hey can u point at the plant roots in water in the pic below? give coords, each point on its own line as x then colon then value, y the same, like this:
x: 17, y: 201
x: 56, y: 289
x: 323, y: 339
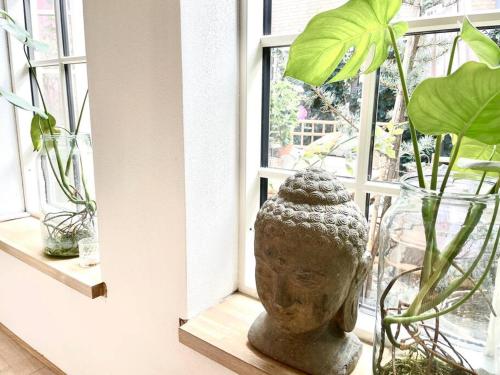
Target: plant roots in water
x: 65, y: 229
x: 418, y: 366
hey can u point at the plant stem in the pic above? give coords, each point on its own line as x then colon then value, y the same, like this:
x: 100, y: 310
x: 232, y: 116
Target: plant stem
x: 406, y: 97
x: 453, y: 159
x: 435, y: 162
x: 68, y: 162
x: 439, y: 138
x: 444, y: 261
x: 430, y: 213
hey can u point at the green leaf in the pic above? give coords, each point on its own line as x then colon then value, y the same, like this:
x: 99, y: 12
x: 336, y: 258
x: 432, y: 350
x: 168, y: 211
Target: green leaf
x: 485, y: 48
x: 20, y: 102
x: 471, y: 149
x: 479, y: 165
x: 10, y: 25
x: 358, y: 25
x: 466, y: 103
x: 39, y: 126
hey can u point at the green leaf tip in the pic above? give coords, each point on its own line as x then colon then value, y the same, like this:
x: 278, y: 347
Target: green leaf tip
x: 359, y: 28
x: 19, y: 102
x: 486, y: 49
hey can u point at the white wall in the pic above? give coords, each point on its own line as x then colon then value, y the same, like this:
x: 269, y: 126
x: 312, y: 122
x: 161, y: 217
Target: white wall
x: 134, y: 56
x: 210, y: 95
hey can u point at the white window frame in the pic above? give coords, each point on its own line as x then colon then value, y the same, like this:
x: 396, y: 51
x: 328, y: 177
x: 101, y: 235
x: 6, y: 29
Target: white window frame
x: 21, y: 85
x: 252, y: 43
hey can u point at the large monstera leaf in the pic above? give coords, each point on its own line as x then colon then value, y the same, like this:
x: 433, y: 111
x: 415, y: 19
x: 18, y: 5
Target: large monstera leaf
x: 466, y: 103
x: 359, y: 28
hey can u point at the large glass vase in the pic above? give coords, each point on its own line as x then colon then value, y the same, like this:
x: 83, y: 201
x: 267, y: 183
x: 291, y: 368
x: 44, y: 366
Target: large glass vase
x: 438, y: 291
x: 67, y: 195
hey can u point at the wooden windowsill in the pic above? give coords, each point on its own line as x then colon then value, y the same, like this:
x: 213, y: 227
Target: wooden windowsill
x: 220, y: 334
x: 21, y: 238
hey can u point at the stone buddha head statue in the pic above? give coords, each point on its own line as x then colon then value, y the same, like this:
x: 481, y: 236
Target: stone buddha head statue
x: 311, y: 262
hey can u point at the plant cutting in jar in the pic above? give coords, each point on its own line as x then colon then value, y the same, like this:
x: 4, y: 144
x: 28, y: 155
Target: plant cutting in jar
x: 336, y: 45
x: 61, y: 160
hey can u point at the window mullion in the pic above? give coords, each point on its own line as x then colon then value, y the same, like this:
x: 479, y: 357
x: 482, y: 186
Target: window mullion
x: 367, y: 110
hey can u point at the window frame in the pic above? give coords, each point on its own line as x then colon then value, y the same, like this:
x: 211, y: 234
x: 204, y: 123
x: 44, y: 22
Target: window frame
x: 22, y: 85
x: 254, y: 43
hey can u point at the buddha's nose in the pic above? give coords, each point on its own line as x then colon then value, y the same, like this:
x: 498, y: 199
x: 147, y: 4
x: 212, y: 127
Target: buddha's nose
x: 282, y: 297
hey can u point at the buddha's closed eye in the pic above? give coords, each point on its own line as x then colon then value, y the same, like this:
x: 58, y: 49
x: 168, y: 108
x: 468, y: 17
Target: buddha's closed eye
x: 308, y: 278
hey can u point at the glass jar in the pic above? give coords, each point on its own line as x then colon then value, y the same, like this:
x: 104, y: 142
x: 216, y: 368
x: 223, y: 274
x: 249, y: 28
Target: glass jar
x: 66, y: 186
x: 438, y: 293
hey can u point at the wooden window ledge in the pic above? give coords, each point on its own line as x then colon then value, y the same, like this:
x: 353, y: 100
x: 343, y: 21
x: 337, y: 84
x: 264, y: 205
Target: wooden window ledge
x: 220, y: 334
x: 21, y: 238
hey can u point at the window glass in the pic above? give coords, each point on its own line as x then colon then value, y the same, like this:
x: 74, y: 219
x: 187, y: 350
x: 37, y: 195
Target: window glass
x: 292, y: 16
x: 43, y: 26
x: 310, y: 126
x: 50, y: 85
x: 426, y: 8
x: 427, y: 56
x: 78, y: 74
x: 377, y: 205
x: 74, y: 24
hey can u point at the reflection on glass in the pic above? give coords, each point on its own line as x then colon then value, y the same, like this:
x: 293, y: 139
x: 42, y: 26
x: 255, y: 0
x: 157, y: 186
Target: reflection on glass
x: 377, y: 207
x: 292, y: 16
x: 50, y: 83
x: 426, y: 56
x: 74, y: 23
x: 78, y: 89
x: 43, y: 24
x: 310, y: 126
x: 426, y: 8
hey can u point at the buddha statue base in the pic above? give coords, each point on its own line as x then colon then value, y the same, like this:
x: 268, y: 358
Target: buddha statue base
x: 326, y: 351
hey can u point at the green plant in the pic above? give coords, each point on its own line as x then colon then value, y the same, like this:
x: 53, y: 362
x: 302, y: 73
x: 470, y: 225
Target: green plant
x: 283, y: 112
x: 64, y: 226
x: 465, y: 104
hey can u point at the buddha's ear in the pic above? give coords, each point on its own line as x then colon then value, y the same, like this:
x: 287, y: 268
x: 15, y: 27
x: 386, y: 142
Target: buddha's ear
x: 348, y: 313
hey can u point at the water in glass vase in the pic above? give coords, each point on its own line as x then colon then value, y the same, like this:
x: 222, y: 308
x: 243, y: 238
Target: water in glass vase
x: 438, y: 294
x: 66, y: 188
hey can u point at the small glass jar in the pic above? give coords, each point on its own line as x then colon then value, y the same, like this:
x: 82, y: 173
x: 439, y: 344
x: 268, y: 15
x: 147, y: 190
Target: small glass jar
x: 431, y: 317
x: 89, y: 252
x: 66, y: 186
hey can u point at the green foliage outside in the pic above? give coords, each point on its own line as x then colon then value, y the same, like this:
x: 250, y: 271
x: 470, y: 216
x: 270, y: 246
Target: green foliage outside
x: 285, y: 102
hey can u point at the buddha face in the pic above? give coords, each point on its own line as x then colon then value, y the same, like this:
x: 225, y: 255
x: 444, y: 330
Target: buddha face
x: 302, y: 281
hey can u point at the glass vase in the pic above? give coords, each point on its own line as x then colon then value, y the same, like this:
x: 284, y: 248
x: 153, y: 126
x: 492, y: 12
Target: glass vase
x: 438, y: 293
x: 66, y: 186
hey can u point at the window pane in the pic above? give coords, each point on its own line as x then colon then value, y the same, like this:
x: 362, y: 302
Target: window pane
x: 292, y: 16
x: 43, y: 23
x: 78, y: 89
x: 50, y: 82
x: 425, y: 8
x: 427, y: 56
x: 310, y: 126
x: 74, y: 26
x: 377, y: 207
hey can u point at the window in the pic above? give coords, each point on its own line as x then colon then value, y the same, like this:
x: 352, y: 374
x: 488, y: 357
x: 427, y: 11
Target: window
x: 357, y: 128
x: 61, y: 72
